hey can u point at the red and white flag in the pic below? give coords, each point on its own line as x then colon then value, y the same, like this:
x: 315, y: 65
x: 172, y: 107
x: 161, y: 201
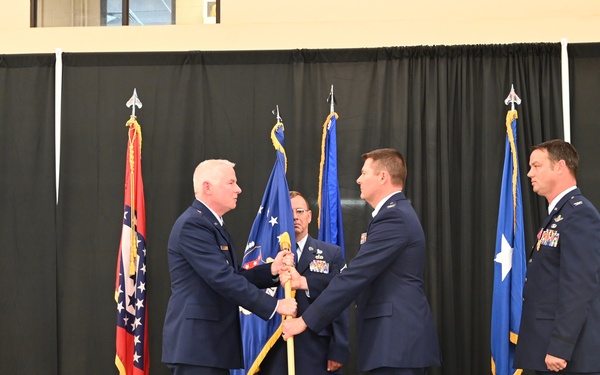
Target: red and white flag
x: 132, y: 350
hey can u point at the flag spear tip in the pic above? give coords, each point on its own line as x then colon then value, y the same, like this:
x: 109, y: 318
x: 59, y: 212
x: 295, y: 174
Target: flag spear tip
x: 133, y: 102
x: 512, y: 98
x: 275, y: 112
x: 331, y: 100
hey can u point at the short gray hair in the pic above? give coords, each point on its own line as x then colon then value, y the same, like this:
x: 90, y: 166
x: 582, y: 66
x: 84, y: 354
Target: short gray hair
x: 206, y: 171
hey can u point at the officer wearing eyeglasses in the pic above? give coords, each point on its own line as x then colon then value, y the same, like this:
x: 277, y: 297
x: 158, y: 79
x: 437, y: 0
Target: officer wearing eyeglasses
x: 317, y: 263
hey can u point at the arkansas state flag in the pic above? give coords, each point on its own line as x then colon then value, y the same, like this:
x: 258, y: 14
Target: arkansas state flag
x: 272, y: 230
x: 130, y: 290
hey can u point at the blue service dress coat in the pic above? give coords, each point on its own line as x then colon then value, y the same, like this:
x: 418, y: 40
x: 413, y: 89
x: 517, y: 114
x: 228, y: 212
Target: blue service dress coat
x: 394, y: 321
x: 561, y: 296
x: 202, y: 326
x: 319, y: 263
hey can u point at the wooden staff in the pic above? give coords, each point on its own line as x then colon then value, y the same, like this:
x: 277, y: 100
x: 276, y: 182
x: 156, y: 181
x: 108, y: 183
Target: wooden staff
x: 285, y: 245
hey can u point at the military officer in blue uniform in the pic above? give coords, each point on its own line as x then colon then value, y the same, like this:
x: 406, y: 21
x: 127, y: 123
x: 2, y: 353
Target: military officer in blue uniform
x: 201, y: 333
x: 560, y: 321
x: 396, y: 331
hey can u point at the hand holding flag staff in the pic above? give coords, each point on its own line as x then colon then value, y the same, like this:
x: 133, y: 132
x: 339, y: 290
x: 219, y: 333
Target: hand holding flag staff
x: 270, y: 233
x: 132, y: 349
x: 509, y: 267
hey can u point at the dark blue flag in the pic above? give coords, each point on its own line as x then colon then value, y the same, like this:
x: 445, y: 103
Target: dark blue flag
x: 509, y: 266
x: 331, y: 227
x: 272, y: 231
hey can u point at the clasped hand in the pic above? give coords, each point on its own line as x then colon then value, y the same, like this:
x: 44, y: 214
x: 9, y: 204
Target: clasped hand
x: 280, y: 265
x: 288, y: 272
x: 282, y: 261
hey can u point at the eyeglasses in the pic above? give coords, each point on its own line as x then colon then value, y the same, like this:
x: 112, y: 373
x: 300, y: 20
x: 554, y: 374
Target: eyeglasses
x: 300, y: 211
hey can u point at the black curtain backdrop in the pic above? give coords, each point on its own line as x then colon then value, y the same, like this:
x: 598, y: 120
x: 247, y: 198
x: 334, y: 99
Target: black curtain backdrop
x: 28, y: 292
x: 584, y: 74
x: 442, y: 107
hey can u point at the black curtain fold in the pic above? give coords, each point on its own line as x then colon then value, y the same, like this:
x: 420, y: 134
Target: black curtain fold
x: 28, y: 306
x: 584, y: 93
x: 441, y: 106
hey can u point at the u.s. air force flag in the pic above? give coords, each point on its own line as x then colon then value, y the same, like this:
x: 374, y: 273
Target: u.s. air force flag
x: 509, y: 266
x: 331, y: 227
x: 273, y: 226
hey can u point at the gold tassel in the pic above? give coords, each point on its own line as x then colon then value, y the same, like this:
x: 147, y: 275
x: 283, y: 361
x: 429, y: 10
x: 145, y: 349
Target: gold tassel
x: 132, y: 123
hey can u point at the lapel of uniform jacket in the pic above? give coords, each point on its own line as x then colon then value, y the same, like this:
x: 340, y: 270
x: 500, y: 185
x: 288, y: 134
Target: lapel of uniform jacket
x: 308, y: 255
x: 389, y: 203
x: 220, y: 228
x: 559, y: 206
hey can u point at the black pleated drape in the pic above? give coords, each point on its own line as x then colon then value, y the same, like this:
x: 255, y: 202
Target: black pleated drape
x: 441, y: 106
x: 28, y: 305
x: 584, y: 78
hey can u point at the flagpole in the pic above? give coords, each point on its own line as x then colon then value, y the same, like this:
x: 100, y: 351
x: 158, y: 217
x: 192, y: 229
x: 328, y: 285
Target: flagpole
x: 566, y: 107
x: 285, y: 244
x: 331, y: 100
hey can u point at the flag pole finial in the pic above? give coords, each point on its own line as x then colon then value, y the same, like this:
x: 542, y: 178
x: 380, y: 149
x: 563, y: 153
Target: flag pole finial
x: 331, y: 101
x: 275, y: 112
x: 512, y: 98
x: 133, y: 102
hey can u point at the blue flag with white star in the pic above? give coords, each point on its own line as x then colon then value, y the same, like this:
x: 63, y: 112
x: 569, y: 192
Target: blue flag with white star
x: 509, y: 260
x: 271, y: 232
x: 331, y: 227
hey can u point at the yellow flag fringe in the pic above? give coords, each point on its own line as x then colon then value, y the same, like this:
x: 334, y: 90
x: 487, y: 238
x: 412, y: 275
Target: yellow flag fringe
x: 322, y: 163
